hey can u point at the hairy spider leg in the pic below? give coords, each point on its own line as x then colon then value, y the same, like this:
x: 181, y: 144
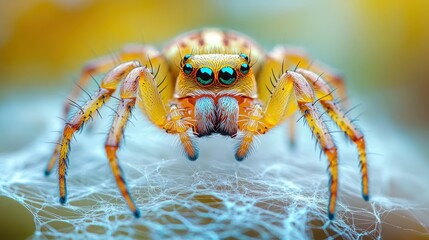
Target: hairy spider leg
x: 290, y: 93
x: 107, y: 88
x: 323, y: 137
x: 174, y: 120
x: 72, y: 98
x: 128, y: 95
x: 179, y: 123
x: 139, y: 79
x: 146, y: 55
x: 324, y: 95
x: 283, y: 58
x: 153, y: 95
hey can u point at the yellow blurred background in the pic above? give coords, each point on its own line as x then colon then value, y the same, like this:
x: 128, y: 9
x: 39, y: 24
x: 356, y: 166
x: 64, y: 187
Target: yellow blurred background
x: 382, y: 47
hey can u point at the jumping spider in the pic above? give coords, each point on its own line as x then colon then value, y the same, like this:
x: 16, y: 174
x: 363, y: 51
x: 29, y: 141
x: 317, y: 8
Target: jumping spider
x: 213, y: 81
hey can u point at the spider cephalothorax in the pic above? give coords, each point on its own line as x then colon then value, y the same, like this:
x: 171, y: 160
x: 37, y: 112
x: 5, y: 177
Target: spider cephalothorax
x: 215, y: 84
x: 213, y: 81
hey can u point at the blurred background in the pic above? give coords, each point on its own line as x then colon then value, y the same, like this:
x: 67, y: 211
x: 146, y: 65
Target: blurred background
x: 382, y: 47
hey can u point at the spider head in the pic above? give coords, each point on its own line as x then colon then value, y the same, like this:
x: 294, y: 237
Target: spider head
x: 216, y: 73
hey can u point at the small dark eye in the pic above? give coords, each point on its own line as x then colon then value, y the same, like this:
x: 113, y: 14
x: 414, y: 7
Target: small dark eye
x: 187, y: 68
x: 227, y: 75
x: 205, y: 76
x: 244, y: 68
x: 244, y: 56
x: 186, y: 57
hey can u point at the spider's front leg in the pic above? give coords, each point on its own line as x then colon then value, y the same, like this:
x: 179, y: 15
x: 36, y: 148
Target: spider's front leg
x: 128, y: 96
x: 145, y: 55
x: 282, y: 58
x: 290, y: 93
x: 107, y: 88
x: 303, y: 89
x: 140, y: 86
x: 324, y: 95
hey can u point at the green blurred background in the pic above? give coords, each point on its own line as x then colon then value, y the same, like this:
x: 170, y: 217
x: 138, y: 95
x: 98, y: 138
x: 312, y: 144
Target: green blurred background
x: 382, y: 47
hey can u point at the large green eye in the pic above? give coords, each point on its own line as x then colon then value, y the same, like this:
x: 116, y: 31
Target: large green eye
x: 227, y: 75
x: 187, y: 68
x: 244, y: 68
x: 205, y: 75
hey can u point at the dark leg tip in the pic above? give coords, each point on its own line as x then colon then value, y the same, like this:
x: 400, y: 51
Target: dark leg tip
x: 239, y: 158
x: 47, y: 173
x: 63, y: 200
x: 365, y: 197
x: 331, y: 216
x: 136, y: 213
x: 193, y: 158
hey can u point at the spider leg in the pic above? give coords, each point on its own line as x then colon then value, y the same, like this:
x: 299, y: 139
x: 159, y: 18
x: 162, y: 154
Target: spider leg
x: 139, y: 86
x: 250, y: 123
x: 321, y: 133
x: 175, y: 120
x: 146, y: 55
x: 292, y: 92
x: 128, y: 94
x: 181, y: 118
x: 53, y: 159
x: 94, y: 67
x: 151, y: 102
x: 343, y: 122
x: 108, y: 87
x: 283, y: 58
x: 141, y: 80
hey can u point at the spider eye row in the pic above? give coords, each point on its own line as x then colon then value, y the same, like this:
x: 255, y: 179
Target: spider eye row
x: 205, y: 75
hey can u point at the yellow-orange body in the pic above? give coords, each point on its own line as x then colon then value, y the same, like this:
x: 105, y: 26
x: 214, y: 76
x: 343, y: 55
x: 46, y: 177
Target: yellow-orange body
x: 213, y: 81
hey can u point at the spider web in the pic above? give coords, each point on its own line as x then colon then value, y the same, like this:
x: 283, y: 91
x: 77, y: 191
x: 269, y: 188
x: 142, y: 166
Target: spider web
x: 276, y: 193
